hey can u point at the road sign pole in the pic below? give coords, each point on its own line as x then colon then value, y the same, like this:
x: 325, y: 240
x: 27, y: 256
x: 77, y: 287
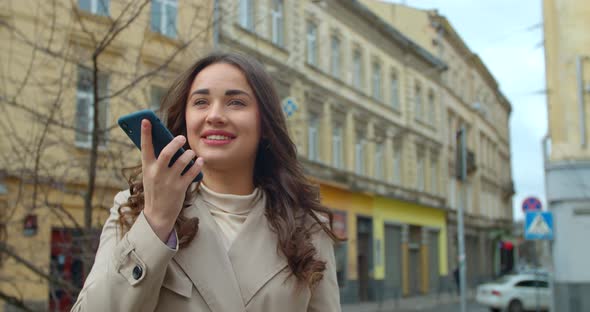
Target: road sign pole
x: 460, y: 235
x: 536, y: 275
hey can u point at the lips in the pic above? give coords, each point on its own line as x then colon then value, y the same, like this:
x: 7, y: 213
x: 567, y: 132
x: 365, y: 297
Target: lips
x: 217, y: 137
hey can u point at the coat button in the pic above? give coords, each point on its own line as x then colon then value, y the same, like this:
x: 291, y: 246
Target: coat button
x: 137, y: 272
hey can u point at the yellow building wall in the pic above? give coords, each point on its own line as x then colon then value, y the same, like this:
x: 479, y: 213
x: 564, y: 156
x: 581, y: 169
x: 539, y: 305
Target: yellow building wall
x: 37, y: 248
x: 385, y: 209
x: 566, y: 37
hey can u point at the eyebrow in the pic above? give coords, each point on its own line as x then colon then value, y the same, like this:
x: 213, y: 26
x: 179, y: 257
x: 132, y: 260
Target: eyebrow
x: 227, y: 92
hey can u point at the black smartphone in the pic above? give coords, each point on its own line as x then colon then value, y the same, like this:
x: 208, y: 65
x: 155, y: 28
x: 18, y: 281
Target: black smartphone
x: 161, y: 136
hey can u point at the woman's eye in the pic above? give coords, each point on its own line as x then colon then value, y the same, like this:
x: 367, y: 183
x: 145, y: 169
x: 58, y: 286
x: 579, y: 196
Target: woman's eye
x: 235, y: 102
x: 200, y: 102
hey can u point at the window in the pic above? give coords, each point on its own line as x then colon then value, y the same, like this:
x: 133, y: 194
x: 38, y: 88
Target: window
x: 420, y: 171
x: 313, y: 138
x: 312, y: 44
x: 69, y: 261
x: 433, y: 176
x: 164, y: 17
x: 359, y: 157
x: 418, y: 101
x: 277, y: 22
x: 397, y: 160
x: 451, y: 133
x: 337, y: 160
x: 532, y: 283
x: 394, y: 86
x: 85, y: 108
x: 431, y: 108
x: 247, y: 14
x: 98, y: 7
x: 379, y: 161
x: 357, y: 70
x: 376, y: 81
x: 335, y: 57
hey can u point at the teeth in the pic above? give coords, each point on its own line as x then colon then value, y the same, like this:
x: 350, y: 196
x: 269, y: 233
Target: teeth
x: 217, y: 137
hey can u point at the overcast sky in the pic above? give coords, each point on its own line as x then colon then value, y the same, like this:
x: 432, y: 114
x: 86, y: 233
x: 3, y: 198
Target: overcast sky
x: 508, y: 35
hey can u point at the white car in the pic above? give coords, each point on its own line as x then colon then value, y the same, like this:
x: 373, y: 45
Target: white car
x: 515, y: 293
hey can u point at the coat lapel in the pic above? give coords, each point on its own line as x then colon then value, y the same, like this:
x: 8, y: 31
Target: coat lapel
x: 206, y: 263
x: 254, y: 255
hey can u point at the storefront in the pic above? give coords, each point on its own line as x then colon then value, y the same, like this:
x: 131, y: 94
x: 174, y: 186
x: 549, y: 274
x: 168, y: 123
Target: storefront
x: 355, y: 257
x: 410, y: 247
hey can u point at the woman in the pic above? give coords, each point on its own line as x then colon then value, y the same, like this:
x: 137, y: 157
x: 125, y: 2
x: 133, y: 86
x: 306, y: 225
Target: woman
x: 249, y: 237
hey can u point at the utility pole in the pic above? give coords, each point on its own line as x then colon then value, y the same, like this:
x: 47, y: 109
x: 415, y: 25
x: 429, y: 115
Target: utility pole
x: 462, y: 175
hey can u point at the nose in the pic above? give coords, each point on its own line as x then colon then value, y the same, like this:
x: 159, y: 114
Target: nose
x: 216, y: 115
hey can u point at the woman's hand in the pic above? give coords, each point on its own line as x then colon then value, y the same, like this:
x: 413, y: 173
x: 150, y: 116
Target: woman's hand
x: 164, y: 188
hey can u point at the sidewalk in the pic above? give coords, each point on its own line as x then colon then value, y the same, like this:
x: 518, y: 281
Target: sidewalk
x: 417, y: 303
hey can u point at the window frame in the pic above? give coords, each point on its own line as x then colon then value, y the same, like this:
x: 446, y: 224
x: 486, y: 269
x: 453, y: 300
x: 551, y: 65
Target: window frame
x: 357, y: 69
x: 376, y: 82
x: 418, y: 109
x: 94, y: 5
x: 88, y: 95
x: 397, y: 164
x: 312, y: 39
x: 420, y: 171
x: 337, y: 147
x: 394, y: 90
x: 313, y: 140
x: 335, y: 56
x: 278, y: 22
x: 379, y: 148
x: 164, y: 24
x: 432, y: 107
x: 434, y: 175
x: 246, y: 14
x: 359, y: 157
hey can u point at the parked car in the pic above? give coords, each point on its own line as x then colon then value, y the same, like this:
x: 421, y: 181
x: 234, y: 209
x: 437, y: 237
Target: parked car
x: 515, y: 293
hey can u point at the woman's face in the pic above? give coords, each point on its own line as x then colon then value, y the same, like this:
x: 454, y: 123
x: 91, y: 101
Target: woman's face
x: 222, y: 118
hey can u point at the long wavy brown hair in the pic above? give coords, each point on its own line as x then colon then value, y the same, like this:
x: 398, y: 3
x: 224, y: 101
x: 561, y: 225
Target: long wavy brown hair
x: 292, y: 201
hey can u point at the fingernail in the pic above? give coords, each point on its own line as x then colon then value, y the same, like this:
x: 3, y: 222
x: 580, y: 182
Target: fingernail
x: 182, y: 138
x: 200, y: 161
x: 144, y: 123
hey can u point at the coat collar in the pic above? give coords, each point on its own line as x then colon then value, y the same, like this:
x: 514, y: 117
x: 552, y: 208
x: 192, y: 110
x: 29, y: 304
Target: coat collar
x: 227, y: 280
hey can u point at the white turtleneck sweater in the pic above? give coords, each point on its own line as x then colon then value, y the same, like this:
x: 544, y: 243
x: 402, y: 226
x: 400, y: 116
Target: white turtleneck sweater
x: 229, y: 211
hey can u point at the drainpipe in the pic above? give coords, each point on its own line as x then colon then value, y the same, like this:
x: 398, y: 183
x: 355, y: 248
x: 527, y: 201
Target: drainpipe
x: 581, y: 106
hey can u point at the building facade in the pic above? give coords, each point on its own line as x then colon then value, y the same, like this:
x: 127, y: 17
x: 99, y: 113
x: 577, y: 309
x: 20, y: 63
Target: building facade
x: 371, y: 106
x: 470, y: 97
x: 48, y: 55
x: 567, y: 167
x: 363, y: 107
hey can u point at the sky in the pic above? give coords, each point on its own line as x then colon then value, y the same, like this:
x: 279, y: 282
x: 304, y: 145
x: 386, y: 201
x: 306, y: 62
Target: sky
x: 508, y: 37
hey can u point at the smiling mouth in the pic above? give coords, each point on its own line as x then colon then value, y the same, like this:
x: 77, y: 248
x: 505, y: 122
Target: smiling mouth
x: 218, y: 137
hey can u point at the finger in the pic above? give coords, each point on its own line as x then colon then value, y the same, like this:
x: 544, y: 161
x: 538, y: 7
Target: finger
x: 147, y: 147
x: 183, y: 161
x: 193, y: 172
x: 171, y: 149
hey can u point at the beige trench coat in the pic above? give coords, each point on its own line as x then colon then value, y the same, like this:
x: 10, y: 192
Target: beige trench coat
x: 141, y: 273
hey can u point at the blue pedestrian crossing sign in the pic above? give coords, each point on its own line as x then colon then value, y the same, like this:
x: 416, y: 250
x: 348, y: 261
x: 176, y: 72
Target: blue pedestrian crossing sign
x: 538, y: 225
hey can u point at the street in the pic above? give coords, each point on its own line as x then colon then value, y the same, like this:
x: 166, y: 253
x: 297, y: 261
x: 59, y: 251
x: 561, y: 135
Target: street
x: 471, y: 307
x: 424, y: 304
